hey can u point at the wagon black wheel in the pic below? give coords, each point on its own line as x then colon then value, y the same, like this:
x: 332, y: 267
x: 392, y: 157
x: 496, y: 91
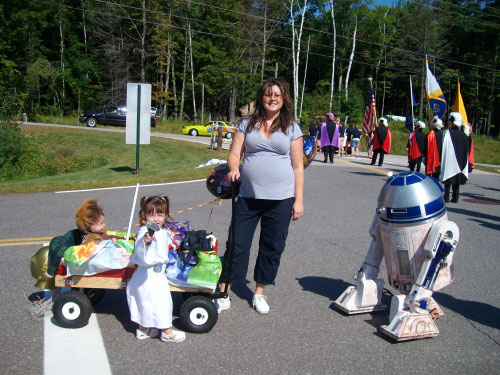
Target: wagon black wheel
x: 72, y: 309
x: 94, y: 295
x: 198, y: 314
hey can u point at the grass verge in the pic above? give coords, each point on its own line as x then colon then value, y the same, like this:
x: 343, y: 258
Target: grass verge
x: 164, y: 160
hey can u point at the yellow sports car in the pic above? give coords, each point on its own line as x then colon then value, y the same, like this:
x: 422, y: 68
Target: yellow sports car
x: 209, y: 128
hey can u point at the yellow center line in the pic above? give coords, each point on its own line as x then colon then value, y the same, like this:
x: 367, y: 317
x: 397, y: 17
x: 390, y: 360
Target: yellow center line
x: 21, y: 243
x: 25, y: 239
x: 379, y: 171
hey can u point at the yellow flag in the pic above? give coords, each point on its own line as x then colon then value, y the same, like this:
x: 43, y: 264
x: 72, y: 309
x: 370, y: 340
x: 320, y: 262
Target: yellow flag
x: 459, y: 106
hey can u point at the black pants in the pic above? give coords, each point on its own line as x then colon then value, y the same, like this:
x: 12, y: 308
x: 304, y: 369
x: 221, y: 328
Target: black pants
x: 374, y: 158
x: 454, y: 196
x: 416, y: 163
x: 274, y: 217
x: 328, y: 151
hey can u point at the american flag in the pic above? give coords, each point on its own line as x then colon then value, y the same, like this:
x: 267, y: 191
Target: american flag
x: 370, y: 120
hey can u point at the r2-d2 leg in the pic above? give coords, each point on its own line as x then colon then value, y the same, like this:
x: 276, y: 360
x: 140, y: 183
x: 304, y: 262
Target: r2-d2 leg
x: 413, y: 317
x: 366, y: 296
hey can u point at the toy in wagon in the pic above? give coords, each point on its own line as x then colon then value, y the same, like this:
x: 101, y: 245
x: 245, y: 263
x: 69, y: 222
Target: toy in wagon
x: 91, y: 262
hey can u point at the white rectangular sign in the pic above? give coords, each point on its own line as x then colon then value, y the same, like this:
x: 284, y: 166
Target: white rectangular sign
x: 144, y: 110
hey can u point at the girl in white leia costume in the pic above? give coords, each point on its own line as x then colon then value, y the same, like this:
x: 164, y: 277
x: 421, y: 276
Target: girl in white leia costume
x: 148, y: 293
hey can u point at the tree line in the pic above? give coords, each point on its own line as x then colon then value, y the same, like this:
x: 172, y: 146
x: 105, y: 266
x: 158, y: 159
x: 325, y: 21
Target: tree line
x: 206, y: 58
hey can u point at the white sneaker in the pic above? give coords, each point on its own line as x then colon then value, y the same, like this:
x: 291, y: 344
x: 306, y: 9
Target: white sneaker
x: 223, y: 304
x: 260, y: 305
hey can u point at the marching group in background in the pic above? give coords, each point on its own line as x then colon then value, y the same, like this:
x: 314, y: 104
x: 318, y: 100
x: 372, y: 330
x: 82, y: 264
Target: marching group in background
x: 333, y: 136
x: 447, y: 156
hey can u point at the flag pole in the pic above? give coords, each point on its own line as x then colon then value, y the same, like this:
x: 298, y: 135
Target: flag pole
x: 374, y: 107
x: 427, y: 89
x: 411, y: 104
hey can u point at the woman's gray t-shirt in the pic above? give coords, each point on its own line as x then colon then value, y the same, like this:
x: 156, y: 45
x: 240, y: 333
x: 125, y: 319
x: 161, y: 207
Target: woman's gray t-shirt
x: 267, y: 168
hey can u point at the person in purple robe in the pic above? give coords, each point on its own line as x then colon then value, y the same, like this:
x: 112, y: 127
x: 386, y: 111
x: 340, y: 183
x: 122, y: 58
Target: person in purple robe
x: 329, y: 137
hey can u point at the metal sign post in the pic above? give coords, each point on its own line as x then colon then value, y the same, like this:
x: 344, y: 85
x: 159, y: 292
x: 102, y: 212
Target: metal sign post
x: 138, y: 117
x: 138, y: 132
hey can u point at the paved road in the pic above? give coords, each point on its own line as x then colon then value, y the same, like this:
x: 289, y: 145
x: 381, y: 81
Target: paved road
x: 303, y: 334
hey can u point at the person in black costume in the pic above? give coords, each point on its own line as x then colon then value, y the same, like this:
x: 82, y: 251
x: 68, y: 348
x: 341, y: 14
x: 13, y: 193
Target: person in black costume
x: 416, y: 147
x: 454, y: 158
x: 381, y: 141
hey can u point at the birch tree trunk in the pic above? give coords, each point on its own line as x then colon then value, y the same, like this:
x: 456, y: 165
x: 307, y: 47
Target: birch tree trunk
x: 143, y: 41
x: 164, y: 113
x: 350, y: 60
x: 202, y: 102
x: 85, y: 37
x: 167, y: 82
x: 61, y: 104
x: 232, y: 102
x: 296, y: 38
x: 192, y: 70
x: 332, y: 85
x: 305, y: 74
x: 181, y: 111
x: 175, y: 89
x: 384, y: 53
x: 424, y: 71
x: 492, y: 96
x: 263, y: 59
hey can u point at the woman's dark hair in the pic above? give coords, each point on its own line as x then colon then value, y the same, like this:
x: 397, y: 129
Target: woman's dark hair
x: 284, y: 119
x: 150, y: 205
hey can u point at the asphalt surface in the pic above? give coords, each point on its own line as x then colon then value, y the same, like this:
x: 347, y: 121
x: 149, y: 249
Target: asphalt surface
x: 303, y: 333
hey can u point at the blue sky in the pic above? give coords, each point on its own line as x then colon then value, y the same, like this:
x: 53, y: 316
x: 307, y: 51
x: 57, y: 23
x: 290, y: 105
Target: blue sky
x: 385, y: 2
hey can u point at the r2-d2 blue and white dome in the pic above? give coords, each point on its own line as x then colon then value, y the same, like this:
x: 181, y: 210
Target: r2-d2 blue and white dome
x: 410, y: 198
x: 411, y: 230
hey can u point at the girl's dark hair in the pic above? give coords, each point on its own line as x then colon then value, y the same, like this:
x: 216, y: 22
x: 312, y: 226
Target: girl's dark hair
x: 284, y: 119
x: 150, y: 205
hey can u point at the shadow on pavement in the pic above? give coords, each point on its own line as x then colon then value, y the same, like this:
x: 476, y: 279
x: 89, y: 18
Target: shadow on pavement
x: 486, y: 224
x: 115, y: 303
x: 370, y: 174
x: 488, y: 188
x: 243, y: 291
x: 479, y: 312
x: 470, y: 213
x: 481, y: 199
x: 326, y: 287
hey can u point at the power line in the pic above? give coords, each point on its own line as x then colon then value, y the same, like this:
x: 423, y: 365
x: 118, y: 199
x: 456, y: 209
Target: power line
x: 404, y: 71
x: 420, y: 2
x: 422, y: 55
x: 469, y: 9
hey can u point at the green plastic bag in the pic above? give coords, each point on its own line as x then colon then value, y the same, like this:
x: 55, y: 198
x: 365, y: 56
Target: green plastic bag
x: 206, y: 273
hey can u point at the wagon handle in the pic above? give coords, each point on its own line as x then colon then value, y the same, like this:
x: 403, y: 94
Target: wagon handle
x: 231, y: 253
x: 132, y: 212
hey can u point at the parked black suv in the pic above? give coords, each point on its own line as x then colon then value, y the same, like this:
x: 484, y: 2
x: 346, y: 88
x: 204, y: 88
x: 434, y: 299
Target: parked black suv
x: 112, y: 115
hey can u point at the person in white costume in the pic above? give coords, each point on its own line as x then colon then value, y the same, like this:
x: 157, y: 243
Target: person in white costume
x: 148, y: 293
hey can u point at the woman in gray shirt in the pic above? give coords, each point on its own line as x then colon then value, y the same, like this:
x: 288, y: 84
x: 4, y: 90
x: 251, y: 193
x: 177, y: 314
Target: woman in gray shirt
x: 272, y: 185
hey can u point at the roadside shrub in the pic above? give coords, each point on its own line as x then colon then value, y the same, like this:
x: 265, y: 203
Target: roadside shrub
x: 13, y: 144
x: 22, y: 157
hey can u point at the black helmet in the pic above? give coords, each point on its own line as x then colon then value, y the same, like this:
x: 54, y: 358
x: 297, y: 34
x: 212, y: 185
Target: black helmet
x: 219, y: 184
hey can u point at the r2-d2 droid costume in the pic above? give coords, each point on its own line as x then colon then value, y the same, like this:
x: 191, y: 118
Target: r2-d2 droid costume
x: 411, y: 231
